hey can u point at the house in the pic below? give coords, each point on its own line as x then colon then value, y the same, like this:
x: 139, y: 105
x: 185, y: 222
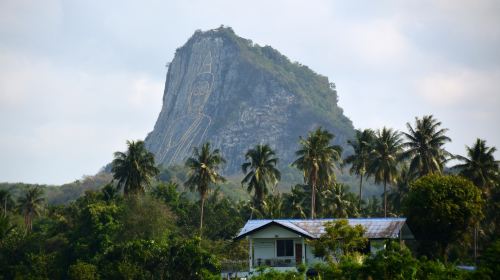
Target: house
x: 281, y: 243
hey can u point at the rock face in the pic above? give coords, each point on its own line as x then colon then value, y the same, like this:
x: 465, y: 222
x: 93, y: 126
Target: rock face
x: 224, y: 89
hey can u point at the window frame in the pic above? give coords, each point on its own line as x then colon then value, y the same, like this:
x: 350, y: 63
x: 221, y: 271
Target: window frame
x: 284, y: 248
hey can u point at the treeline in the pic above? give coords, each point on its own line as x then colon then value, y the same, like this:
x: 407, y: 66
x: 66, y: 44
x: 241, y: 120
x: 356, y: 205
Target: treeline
x: 138, y: 227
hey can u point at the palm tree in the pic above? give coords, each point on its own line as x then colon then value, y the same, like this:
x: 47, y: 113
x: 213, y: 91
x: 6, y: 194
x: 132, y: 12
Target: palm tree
x: 362, y: 146
x: 316, y: 159
x: 5, y: 200
x: 134, y: 169
x: 397, y: 196
x: 295, y: 202
x: 203, y: 167
x: 338, y: 201
x: 272, y: 206
x: 30, y: 205
x: 384, y: 159
x: 480, y: 165
x: 261, y: 171
x: 109, y: 192
x: 425, y: 146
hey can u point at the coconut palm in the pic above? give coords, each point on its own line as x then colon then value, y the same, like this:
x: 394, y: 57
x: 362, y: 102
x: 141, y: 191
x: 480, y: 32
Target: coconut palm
x: 5, y: 200
x: 424, y: 147
x: 272, y: 206
x: 296, y: 201
x: 397, y: 195
x: 261, y: 172
x: 30, y: 204
x: 362, y: 145
x: 338, y: 201
x: 384, y: 159
x: 203, y: 173
x: 316, y: 159
x: 134, y: 169
x: 479, y: 165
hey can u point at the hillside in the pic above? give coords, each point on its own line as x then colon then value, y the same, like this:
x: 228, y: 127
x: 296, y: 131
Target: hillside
x: 233, y: 93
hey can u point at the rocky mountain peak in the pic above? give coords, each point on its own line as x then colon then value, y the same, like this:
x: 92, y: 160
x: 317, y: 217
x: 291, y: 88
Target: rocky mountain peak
x: 225, y: 89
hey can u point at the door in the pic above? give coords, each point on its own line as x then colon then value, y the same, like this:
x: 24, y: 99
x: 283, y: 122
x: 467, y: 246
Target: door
x: 298, y: 253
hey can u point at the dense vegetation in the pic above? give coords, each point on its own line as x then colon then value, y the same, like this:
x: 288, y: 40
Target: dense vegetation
x: 155, y: 223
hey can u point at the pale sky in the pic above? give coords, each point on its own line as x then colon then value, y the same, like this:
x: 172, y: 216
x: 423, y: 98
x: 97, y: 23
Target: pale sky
x: 79, y: 78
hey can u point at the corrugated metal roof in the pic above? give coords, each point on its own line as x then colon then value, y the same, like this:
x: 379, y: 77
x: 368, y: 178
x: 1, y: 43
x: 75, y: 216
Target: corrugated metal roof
x: 376, y: 228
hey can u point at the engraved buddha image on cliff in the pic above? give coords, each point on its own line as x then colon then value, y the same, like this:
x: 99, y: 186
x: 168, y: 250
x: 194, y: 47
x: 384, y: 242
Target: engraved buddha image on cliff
x: 181, y: 140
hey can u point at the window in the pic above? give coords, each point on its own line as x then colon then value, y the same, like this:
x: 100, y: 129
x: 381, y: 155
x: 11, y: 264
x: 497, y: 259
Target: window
x: 284, y: 248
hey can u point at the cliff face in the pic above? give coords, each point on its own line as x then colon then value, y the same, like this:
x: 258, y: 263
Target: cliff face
x: 224, y: 89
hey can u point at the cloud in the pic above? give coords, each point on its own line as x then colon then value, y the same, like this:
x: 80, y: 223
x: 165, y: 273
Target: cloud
x: 52, y: 115
x: 79, y: 78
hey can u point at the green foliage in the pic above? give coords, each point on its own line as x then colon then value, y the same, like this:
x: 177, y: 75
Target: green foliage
x: 394, y: 262
x: 425, y: 146
x: 135, y: 168
x: 384, y: 159
x: 440, y: 209
x: 30, y: 204
x: 190, y: 261
x: 203, y: 173
x: 275, y: 275
x: 145, y: 218
x: 260, y: 172
x: 316, y: 158
x: 489, y: 265
x: 83, y: 271
x: 480, y: 165
x: 362, y: 146
x: 339, y: 239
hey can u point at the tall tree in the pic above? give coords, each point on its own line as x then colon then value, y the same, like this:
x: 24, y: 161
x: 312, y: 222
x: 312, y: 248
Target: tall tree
x: 5, y: 200
x: 424, y: 146
x: 203, y: 172
x: 134, y: 169
x: 316, y: 159
x: 479, y: 165
x: 384, y: 159
x: 362, y: 145
x: 261, y: 172
x: 30, y: 204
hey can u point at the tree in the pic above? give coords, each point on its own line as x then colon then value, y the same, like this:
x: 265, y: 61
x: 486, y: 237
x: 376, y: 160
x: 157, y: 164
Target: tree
x: 338, y: 201
x: 362, y: 146
x: 339, y: 238
x: 260, y: 169
x: 316, y: 159
x: 30, y: 204
x: 480, y: 165
x: 425, y: 146
x: 384, y: 159
x: 397, y: 195
x: 203, y: 172
x: 5, y: 201
x: 134, y: 169
x: 440, y: 210
x: 295, y: 202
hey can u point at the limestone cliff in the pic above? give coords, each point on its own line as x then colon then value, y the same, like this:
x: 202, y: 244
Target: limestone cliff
x: 225, y: 89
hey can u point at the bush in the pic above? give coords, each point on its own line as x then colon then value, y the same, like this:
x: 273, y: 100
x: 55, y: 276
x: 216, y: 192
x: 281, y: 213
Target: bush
x: 395, y: 262
x: 83, y: 271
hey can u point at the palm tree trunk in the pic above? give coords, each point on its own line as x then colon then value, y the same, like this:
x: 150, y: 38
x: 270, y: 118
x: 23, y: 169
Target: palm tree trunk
x: 385, y: 198
x: 313, y: 199
x: 201, y: 214
x: 360, y: 186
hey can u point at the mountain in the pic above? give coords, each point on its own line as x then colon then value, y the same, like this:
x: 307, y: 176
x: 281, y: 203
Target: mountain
x: 227, y: 90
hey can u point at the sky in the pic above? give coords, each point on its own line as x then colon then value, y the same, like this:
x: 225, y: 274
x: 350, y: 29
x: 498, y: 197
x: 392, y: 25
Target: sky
x: 79, y: 78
